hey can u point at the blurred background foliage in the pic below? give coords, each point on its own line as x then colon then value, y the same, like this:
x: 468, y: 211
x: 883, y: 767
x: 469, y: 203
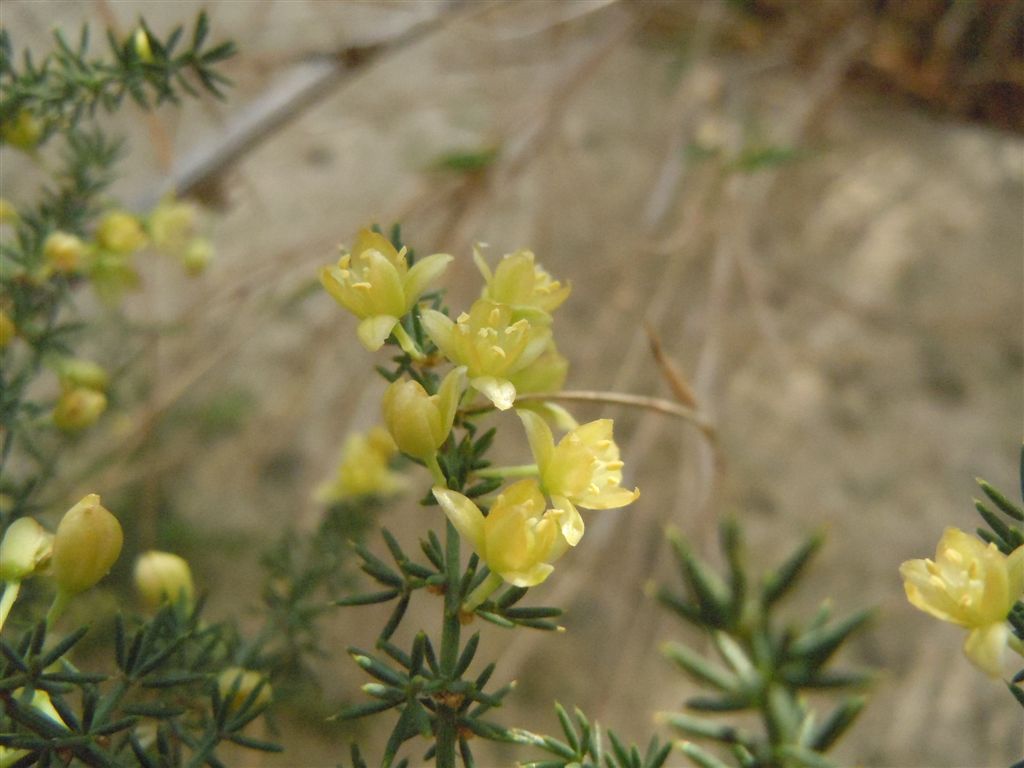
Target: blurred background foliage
x: 815, y: 206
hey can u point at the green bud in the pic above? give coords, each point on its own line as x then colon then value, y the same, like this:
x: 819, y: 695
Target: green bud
x: 161, y: 576
x: 86, y: 545
x: 25, y: 549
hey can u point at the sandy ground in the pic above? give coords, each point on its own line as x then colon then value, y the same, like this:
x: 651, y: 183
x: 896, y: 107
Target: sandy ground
x: 850, y: 318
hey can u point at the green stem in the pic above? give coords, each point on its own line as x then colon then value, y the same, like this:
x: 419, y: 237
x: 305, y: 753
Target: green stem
x: 407, y: 344
x: 435, y: 470
x: 520, y: 470
x: 482, y: 592
x: 11, y: 589
x: 60, y: 602
x: 446, y: 728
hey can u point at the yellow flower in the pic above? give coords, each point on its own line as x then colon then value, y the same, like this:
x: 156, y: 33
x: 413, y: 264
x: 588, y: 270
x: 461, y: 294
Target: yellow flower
x: 973, y: 585
x: 25, y: 549
x: 375, y: 283
x: 518, y: 539
x: 172, y: 224
x: 418, y: 422
x: 197, y: 257
x: 242, y: 682
x: 24, y: 132
x: 364, y: 468
x: 522, y: 284
x: 7, y: 329
x: 491, y: 344
x: 120, y: 232
x: 78, y: 408
x: 161, y: 576
x: 583, y: 469
x: 63, y: 251
x: 86, y: 545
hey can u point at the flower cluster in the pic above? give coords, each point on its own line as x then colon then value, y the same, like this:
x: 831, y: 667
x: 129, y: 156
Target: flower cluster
x: 501, y: 347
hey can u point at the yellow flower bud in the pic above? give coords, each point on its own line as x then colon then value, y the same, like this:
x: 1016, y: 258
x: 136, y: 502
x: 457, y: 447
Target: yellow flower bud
x: 172, y: 225
x: 111, y: 274
x: 973, y: 585
x: 25, y: 549
x: 77, y: 372
x: 78, y: 408
x: 8, y: 213
x: 522, y: 284
x: 120, y: 232
x: 63, y: 251
x: 583, y: 469
x: 162, y: 576
x: 24, y: 132
x: 364, y: 468
x: 86, y: 545
x: 197, y: 256
x: 243, y: 682
x: 518, y: 539
x: 375, y: 283
x: 140, y: 40
x: 418, y: 422
x: 7, y: 329
x: 491, y: 344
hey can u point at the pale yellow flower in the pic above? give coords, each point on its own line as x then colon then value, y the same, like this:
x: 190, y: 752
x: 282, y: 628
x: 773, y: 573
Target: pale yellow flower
x: 78, y: 408
x: 25, y: 549
x: 87, y: 543
x: 197, y: 256
x: 518, y: 539
x: 491, y: 343
x: 375, y: 283
x: 63, y: 251
x: 161, y: 576
x: 973, y: 585
x: 120, y: 232
x: 418, y: 422
x: 522, y: 284
x: 583, y: 470
x: 172, y: 224
x: 364, y: 469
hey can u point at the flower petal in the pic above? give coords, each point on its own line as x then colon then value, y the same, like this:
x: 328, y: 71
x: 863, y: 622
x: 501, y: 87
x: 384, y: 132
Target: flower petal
x: 530, y: 577
x: 501, y: 392
x: 570, y: 520
x: 441, y: 330
x: 374, y: 331
x: 449, y: 394
x: 422, y: 273
x: 542, y: 442
x: 985, y: 646
x: 464, y: 515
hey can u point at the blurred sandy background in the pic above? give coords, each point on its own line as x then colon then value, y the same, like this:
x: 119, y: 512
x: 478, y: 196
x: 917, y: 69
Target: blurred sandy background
x: 817, y: 206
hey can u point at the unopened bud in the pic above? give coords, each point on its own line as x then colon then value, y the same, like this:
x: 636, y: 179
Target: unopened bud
x: 86, y: 545
x: 63, y: 251
x: 77, y: 372
x: 197, y: 256
x: 142, y: 48
x: 161, y: 576
x: 78, y: 409
x: 24, y: 131
x: 418, y: 422
x: 246, y: 681
x: 120, y: 232
x: 25, y: 549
